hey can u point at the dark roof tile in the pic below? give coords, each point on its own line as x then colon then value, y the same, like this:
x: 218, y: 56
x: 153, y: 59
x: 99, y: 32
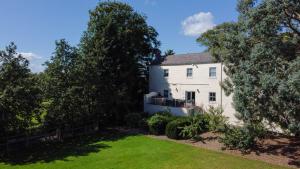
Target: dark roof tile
x: 190, y: 58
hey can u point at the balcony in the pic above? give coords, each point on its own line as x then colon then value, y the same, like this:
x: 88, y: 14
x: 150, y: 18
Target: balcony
x: 162, y: 101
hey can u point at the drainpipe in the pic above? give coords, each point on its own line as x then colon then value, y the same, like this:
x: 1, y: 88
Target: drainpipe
x: 221, y: 86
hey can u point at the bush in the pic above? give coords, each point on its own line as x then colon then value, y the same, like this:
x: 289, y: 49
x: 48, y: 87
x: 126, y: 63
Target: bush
x: 242, y: 138
x: 199, y: 124
x: 174, y: 128
x: 164, y: 113
x: 157, y: 124
x: 133, y: 119
x: 143, y: 124
x: 217, y: 121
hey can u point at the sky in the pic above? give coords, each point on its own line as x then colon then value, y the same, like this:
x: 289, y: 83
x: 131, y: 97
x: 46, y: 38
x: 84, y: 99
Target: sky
x: 34, y: 25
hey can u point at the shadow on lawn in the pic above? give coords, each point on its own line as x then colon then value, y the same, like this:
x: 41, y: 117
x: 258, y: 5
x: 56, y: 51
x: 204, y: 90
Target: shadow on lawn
x: 281, y: 146
x: 80, y: 146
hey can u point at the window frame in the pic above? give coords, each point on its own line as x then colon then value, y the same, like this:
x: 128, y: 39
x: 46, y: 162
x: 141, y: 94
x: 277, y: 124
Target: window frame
x: 189, y: 74
x: 166, y: 92
x: 210, y: 72
x: 166, y: 73
x: 210, y: 97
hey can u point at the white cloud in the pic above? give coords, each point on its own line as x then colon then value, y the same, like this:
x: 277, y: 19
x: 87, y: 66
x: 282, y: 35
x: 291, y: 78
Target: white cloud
x: 35, y: 61
x: 30, y: 56
x: 197, y: 24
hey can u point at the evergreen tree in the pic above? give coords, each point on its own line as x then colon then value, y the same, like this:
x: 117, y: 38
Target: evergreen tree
x: 261, y: 59
x: 116, y: 49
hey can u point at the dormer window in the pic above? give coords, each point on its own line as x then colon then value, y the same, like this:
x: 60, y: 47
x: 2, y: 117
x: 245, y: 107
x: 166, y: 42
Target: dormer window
x: 166, y: 72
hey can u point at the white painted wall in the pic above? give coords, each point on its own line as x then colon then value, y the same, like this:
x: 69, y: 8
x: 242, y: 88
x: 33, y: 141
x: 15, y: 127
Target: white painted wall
x: 178, y: 83
x: 177, y: 111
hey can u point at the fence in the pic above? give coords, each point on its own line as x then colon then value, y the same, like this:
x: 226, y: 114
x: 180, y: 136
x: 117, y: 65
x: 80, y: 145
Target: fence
x: 17, y: 142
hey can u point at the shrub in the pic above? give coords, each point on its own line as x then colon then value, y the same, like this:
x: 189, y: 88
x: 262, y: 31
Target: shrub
x: 199, y: 123
x: 217, y: 121
x: 157, y: 124
x: 196, y: 110
x: 242, y: 138
x: 174, y: 128
x: 143, y: 124
x: 133, y: 119
x: 164, y: 113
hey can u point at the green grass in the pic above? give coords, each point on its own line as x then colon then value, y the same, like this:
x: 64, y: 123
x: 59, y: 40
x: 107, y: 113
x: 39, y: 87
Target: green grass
x: 132, y: 152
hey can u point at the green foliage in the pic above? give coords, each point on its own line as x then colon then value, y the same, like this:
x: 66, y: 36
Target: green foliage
x: 20, y: 96
x: 143, y: 124
x: 261, y: 57
x: 63, y: 89
x: 199, y: 123
x: 242, y: 138
x: 164, y: 113
x: 157, y: 124
x: 169, y: 52
x: 133, y: 120
x: 116, y: 49
x: 217, y: 122
x: 105, y: 78
x: 174, y: 128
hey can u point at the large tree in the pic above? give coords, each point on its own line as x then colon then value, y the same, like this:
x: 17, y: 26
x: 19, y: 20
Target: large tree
x: 115, y: 50
x: 62, y: 88
x: 20, y: 96
x: 261, y: 55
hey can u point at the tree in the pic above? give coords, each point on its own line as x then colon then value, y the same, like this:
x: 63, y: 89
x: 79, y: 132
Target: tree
x: 169, y: 52
x: 19, y: 94
x: 261, y: 59
x: 116, y: 49
x: 62, y: 88
x: 159, y: 58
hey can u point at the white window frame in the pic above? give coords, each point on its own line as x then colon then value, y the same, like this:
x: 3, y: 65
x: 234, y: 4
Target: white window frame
x: 189, y: 74
x: 210, y: 72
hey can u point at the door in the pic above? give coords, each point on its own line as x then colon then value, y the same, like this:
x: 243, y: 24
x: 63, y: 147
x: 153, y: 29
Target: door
x: 190, y: 97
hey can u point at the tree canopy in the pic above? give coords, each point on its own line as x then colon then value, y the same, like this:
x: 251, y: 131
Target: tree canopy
x: 261, y: 55
x: 115, y: 50
x: 20, y: 96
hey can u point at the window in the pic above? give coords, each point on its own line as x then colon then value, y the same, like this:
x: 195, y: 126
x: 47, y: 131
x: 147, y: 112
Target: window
x: 212, y: 96
x: 189, y: 72
x: 212, y: 72
x: 166, y: 72
x: 166, y: 93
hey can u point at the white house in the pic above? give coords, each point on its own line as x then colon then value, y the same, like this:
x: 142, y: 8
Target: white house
x: 183, y: 81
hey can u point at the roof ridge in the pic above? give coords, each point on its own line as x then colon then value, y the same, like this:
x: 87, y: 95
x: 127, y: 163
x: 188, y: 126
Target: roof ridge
x: 192, y: 53
x: 188, y: 58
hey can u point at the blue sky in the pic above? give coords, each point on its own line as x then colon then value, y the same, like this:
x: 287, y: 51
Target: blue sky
x: 34, y: 25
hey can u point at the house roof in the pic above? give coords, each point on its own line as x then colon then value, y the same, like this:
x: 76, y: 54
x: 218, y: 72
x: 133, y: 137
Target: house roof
x: 186, y: 59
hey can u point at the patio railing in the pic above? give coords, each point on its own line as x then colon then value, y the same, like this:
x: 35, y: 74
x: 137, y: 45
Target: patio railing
x: 171, y: 102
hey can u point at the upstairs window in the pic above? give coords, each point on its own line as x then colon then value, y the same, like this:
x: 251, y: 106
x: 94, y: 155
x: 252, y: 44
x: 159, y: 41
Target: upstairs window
x: 212, y: 72
x: 212, y: 96
x: 166, y: 93
x: 189, y: 72
x: 166, y: 72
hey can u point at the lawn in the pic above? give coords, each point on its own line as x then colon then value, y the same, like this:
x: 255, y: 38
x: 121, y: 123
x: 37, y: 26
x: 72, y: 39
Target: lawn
x: 128, y: 152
